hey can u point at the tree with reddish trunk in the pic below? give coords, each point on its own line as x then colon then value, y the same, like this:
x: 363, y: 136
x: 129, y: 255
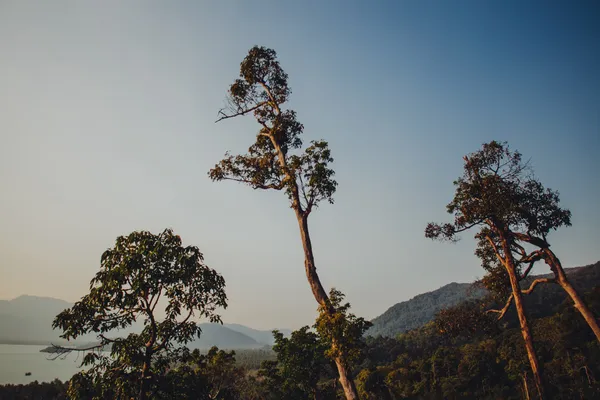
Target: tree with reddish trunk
x: 275, y: 161
x: 482, y: 200
x: 499, y: 193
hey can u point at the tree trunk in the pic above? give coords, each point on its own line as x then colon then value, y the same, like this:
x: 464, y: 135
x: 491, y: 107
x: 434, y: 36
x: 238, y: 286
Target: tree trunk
x: 346, y: 380
x: 525, y: 330
x: 525, y: 387
x: 561, y: 279
x: 145, y: 383
x: 320, y: 295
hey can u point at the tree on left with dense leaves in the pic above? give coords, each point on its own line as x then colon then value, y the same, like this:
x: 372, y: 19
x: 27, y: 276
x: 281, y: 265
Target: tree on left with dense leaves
x: 143, y: 277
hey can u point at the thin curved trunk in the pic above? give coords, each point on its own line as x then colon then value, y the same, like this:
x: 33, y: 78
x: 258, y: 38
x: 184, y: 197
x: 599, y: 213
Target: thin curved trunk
x: 561, y: 279
x: 524, y: 324
x: 320, y: 295
x: 316, y: 287
x: 525, y: 387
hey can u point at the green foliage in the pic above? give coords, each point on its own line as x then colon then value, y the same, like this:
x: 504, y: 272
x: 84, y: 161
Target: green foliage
x: 141, y: 270
x: 300, y: 366
x: 55, y: 390
x: 468, y: 319
x: 343, y: 331
x: 428, y: 364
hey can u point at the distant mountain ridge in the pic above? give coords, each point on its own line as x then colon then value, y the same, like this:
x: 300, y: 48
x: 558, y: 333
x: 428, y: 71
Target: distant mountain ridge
x: 28, y: 320
x: 421, y: 309
x: 263, y: 337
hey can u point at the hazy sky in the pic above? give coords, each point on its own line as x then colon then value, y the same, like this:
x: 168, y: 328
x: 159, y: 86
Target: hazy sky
x: 107, y: 113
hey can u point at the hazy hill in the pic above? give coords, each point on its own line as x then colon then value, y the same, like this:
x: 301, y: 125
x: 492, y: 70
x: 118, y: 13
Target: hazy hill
x: 263, y: 337
x: 421, y: 309
x: 28, y: 319
x: 224, y: 338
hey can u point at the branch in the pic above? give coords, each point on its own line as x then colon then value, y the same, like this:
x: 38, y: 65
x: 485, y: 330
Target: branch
x: 167, y: 338
x: 520, y: 249
x: 58, y: 351
x: 242, y: 112
x: 107, y: 339
x: 504, y: 309
x: 524, y: 274
x: 535, y: 283
x: 536, y: 241
x: 306, y: 198
x: 258, y: 186
x: 466, y: 228
x: 268, y: 90
x: 157, y: 298
x: 495, y: 250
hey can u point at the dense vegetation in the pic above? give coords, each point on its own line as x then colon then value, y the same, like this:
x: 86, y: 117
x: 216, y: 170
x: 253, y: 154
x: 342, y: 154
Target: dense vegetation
x: 440, y: 360
x: 421, y: 309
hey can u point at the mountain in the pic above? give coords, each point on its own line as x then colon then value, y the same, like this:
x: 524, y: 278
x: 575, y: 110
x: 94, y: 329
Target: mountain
x: 224, y: 338
x: 28, y: 319
x: 421, y: 309
x: 263, y: 337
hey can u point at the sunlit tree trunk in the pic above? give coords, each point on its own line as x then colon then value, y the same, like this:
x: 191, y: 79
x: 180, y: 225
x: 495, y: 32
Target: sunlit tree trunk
x: 561, y: 279
x: 321, y: 297
x: 509, y: 265
x: 525, y: 387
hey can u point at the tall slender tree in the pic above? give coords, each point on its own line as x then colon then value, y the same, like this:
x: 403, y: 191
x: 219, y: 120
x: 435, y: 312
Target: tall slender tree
x: 275, y: 161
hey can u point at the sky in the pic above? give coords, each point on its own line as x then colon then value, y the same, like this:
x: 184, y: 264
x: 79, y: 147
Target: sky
x: 107, y: 126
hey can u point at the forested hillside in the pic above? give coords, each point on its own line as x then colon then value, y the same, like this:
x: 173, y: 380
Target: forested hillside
x: 421, y: 309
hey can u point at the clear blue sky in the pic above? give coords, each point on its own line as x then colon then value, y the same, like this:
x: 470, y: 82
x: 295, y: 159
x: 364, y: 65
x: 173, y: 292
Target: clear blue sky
x: 107, y: 113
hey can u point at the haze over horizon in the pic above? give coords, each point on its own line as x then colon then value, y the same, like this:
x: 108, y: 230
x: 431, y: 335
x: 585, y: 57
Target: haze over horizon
x: 107, y: 114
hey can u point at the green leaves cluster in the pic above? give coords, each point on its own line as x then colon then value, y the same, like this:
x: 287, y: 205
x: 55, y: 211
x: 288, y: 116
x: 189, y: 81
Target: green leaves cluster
x: 342, y: 330
x: 299, y: 368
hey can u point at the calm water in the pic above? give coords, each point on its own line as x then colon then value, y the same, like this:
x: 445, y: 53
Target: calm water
x: 15, y: 360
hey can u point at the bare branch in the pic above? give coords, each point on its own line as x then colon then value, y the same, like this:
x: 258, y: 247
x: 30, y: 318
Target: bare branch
x: 466, y: 228
x: 60, y: 351
x: 504, y: 309
x: 239, y: 113
x: 268, y: 91
x: 496, y: 251
x: 536, y: 282
x: 258, y: 186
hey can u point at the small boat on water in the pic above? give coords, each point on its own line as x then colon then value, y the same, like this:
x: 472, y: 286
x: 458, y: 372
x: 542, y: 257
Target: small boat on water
x: 27, y: 373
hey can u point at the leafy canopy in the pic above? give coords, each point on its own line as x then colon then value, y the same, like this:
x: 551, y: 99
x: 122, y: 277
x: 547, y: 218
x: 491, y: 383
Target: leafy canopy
x: 299, y: 367
x: 342, y: 330
x: 139, y: 272
x: 499, y: 195
x: 274, y: 161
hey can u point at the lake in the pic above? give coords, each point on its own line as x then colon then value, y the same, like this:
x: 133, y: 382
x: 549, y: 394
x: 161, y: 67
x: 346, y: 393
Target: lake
x: 16, y: 360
